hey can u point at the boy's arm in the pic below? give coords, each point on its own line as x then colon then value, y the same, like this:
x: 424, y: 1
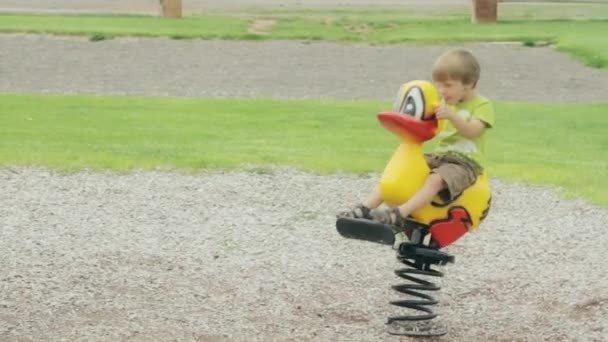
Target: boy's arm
x: 470, y: 129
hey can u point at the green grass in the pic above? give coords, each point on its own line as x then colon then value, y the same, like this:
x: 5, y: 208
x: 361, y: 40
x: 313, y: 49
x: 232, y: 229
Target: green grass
x: 583, y: 39
x: 210, y: 27
x: 565, y: 145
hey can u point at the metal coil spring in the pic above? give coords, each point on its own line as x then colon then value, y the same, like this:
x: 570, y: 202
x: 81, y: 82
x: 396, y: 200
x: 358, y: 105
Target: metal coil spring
x: 418, y: 258
x: 425, y: 301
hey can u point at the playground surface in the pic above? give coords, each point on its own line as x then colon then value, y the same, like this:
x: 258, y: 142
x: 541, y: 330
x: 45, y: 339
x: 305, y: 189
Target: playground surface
x: 249, y: 256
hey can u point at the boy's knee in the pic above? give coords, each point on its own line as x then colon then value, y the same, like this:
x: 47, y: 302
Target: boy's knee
x: 436, y: 181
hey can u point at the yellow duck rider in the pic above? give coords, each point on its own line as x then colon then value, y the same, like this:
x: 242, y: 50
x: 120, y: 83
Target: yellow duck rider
x: 447, y: 190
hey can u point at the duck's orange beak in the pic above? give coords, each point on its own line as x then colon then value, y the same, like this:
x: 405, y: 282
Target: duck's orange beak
x: 406, y: 126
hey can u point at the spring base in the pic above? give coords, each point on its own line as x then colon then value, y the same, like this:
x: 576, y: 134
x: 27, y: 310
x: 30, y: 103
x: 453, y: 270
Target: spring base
x: 417, y: 328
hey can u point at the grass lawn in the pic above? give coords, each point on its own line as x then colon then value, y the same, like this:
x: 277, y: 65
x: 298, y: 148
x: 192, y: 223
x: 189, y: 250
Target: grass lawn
x: 560, y: 144
x: 583, y: 39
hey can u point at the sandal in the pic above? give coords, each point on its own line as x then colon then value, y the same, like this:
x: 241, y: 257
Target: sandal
x: 358, y: 212
x: 391, y: 217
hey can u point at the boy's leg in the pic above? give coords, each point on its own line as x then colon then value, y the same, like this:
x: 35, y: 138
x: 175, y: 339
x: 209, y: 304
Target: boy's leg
x: 447, y: 173
x: 433, y: 184
x: 396, y: 216
x: 374, y: 200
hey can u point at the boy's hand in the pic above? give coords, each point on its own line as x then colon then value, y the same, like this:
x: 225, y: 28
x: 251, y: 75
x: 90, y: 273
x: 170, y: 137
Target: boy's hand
x: 443, y: 112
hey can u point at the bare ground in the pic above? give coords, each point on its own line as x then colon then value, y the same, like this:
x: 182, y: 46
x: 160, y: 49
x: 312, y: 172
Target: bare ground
x: 198, y: 6
x: 283, y: 69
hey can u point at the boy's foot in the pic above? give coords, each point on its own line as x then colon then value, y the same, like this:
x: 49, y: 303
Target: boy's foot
x: 417, y: 328
x: 359, y: 211
x: 367, y: 230
x: 391, y: 217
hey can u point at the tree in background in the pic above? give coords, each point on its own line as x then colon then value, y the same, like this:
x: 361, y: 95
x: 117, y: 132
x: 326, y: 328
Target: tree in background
x: 484, y: 11
x: 171, y: 8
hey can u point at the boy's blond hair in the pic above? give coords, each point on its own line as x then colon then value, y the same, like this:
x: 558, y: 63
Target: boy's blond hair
x: 459, y: 65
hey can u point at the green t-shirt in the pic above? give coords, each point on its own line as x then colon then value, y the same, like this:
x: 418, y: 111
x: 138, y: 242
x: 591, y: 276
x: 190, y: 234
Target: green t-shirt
x: 449, y: 140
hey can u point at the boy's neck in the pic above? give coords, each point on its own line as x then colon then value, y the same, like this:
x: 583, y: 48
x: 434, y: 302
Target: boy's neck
x: 468, y: 95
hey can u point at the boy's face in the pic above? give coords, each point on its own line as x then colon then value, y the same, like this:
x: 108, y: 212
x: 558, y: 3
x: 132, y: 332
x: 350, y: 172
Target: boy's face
x: 453, y: 91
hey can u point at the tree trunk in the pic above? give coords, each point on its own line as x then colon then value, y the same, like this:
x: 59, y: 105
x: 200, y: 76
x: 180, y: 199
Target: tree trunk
x: 484, y: 11
x: 171, y: 8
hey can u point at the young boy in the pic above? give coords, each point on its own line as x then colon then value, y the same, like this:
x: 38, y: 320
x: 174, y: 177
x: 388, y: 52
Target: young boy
x: 458, y: 157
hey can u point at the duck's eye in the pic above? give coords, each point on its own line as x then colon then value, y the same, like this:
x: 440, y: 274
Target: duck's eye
x: 413, y: 104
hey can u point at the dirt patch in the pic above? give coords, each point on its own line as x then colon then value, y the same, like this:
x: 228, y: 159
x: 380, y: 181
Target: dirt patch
x: 362, y: 28
x: 261, y: 26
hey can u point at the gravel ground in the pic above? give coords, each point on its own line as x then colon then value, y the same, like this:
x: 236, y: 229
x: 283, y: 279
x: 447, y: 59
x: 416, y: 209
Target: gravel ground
x: 255, y: 257
x: 250, y: 255
x: 284, y: 69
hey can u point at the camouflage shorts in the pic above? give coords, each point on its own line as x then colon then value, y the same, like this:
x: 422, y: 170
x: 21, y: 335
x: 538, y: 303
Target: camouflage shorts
x: 458, y: 172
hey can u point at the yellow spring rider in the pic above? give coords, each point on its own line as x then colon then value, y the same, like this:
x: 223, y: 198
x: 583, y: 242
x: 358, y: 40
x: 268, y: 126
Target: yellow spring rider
x: 444, y: 220
x: 414, y: 122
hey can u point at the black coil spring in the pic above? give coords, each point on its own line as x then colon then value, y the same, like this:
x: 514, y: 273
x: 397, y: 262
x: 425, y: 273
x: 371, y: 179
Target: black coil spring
x: 424, y: 302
